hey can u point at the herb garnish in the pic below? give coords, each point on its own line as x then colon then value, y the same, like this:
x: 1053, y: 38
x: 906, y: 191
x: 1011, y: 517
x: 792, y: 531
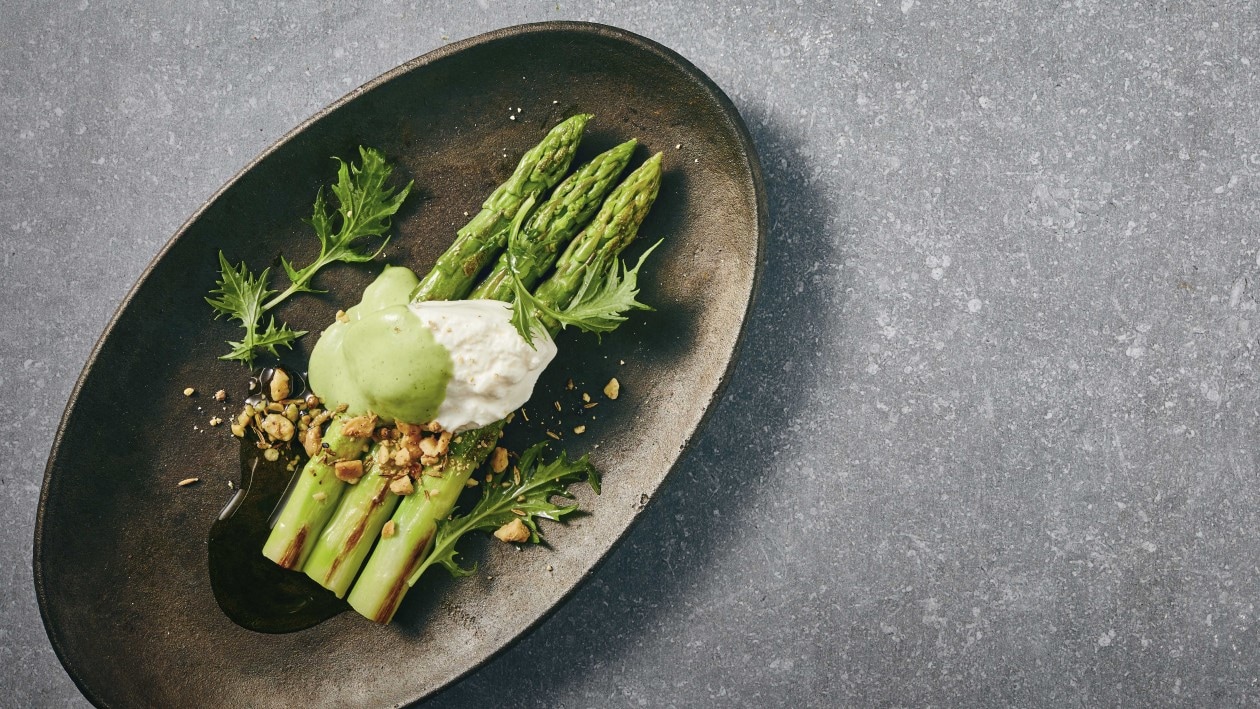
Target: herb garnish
x: 364, y: 207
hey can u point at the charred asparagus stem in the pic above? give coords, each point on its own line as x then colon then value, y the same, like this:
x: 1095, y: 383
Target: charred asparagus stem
x: 317, y: 491
x: 386, y: 575
x: 365, y: 507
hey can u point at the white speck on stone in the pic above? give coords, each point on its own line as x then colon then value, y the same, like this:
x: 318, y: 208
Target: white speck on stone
x: 974, y: 305
x: 906, y: 6
x: 985, y: 102
x: 339, y: 52
x: 1105, y: 639
x: 1135, y: 351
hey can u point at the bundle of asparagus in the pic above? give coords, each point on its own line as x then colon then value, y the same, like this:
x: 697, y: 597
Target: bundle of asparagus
x: 327, y: 528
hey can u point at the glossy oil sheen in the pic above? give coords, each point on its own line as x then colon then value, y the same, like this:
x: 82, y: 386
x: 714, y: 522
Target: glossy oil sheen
x: 121, y: 560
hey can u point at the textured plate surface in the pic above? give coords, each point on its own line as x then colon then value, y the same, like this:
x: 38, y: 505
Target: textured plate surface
x: 120, y: 550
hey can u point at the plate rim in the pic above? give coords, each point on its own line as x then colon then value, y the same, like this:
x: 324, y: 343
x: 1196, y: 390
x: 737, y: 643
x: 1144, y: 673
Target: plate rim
x: 753, y: 164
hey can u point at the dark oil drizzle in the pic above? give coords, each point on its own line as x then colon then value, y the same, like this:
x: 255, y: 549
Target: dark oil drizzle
x: 252, y: 590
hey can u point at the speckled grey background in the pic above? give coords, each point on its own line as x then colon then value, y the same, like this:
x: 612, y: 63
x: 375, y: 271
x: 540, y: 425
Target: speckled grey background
x: 992, y: 440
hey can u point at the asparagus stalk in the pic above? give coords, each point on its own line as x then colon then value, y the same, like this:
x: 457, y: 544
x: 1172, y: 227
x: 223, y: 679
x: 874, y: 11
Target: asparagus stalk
x: 387, y: 574
x: 317, y: 491
x: 366, y: 506
x: 483, y: 237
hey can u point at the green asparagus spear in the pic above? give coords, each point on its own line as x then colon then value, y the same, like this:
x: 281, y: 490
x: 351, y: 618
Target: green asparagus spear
x: 317, y: 490
x: 568, y: 209
x: 484, y: 236
x: 387, y: 573
x: 365, y: 507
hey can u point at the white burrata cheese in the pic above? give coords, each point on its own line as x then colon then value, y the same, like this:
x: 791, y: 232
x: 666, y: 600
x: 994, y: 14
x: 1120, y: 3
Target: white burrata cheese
x: 495, y: 370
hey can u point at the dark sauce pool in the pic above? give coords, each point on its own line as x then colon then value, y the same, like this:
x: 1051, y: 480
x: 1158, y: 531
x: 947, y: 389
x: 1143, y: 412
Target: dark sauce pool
x: 250, y: 588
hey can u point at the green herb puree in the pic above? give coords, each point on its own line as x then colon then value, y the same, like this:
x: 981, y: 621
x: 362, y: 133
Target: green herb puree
x: 383, y: 359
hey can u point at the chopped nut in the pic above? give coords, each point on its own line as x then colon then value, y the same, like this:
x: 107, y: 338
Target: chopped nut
x: 280, y: 384
x: 402, y: 486
x: 238, y: 430
x: 278, y: 427
x: 348, y: 470
x: 189, y: 391
x: 359, y: 426
x: 188, y: 481
x: 342, y: 317
x: 612, y: 389
x: 320, y: 496
x: 430, y: 460
x: 429, y: 447
x: 402, y: 457
x: 215, y: 420
x: 271, y: 455
x: 470, y: 482
x: 586, y: 397
x: 514, y: 531
x: 409, y: 429
x: 579, y: 430
x: 444, y: 442
x: 220, y: 395
x: 383, y: 454
x: 311, y: 440
x: 499, y: 459
x: 389, y: 529
x: 433, y: 427
x: 311, y: 401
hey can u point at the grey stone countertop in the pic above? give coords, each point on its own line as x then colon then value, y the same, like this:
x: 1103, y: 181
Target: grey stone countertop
x: 992, y: 438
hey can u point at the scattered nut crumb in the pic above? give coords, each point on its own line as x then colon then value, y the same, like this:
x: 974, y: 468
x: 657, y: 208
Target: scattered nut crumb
x: 348, y: 470
x: 558, y: 406
x: 359, y: 426
x: 271, y: 455
x: 524, y: 415
x: 591, y: 405
x: 402, y: 486
x: 278, y: 427
x: 188, y: 481
x: 554, y: 435
x: 612, y: 389
x: 220, y: 395
x: 189, y: 391
x: 514, y: 531
x: 470, y: 482
x: 569, y: 385
x: 586, y: 397
x: 320, y: 496
x: 389, y: 529
x: 280, y: 384
x: 550, y: 568
x: 579, y: 430
x: 215, y: 420
x: 342, y: 317
x: 499, y: 459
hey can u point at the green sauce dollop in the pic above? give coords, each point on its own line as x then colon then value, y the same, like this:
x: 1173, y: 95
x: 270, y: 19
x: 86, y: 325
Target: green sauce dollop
x: 383, y: 360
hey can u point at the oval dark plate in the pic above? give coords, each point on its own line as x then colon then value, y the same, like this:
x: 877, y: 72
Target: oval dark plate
x: 120, y: 556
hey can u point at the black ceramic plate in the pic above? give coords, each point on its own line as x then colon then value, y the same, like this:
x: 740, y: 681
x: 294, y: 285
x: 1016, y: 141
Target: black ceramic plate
x: 120, y: 550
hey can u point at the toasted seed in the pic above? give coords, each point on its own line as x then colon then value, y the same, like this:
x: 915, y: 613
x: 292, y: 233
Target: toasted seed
x: 188, y: 481
x: 389, y: 529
